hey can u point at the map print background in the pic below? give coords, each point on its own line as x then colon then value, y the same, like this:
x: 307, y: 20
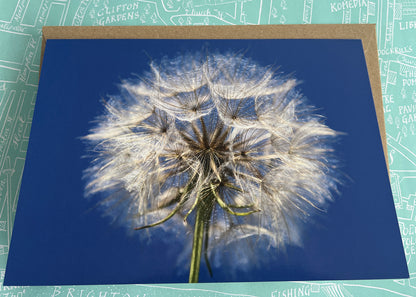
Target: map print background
x: 20, y: 38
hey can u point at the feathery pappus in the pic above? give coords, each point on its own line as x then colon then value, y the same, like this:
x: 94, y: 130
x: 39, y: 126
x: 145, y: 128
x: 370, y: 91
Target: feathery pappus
x: 216, y: 144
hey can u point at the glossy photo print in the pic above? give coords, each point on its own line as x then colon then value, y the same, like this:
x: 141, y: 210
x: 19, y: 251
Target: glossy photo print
x: 175, y: 161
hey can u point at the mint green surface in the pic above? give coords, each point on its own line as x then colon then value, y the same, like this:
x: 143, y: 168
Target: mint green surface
x: 20, y: 40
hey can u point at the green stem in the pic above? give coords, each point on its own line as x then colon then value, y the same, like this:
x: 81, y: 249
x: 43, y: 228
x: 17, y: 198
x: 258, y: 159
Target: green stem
x: 197, y: 244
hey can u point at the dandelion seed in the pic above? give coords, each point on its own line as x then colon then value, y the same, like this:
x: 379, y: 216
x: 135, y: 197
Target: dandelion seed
x: 220, y: 143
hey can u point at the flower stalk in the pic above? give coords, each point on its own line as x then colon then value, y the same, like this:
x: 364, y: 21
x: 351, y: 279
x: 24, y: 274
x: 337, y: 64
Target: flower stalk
x: 199, y: 228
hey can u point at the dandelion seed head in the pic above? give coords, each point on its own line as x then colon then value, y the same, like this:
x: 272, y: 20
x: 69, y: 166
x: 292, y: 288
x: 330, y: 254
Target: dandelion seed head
x: 216, y: 131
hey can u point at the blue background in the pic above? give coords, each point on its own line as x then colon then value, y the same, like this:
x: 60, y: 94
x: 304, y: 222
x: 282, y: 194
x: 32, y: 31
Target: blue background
x: 358, y: 238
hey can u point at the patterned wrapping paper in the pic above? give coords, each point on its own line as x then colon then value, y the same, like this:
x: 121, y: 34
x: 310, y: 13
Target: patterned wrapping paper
x: 20, y: 28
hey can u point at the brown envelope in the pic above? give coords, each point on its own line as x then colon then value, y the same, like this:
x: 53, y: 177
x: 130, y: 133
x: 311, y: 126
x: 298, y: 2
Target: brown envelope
x: 365, y: 32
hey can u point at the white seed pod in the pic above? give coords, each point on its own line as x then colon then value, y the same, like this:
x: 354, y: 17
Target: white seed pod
x: 218, y: 132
